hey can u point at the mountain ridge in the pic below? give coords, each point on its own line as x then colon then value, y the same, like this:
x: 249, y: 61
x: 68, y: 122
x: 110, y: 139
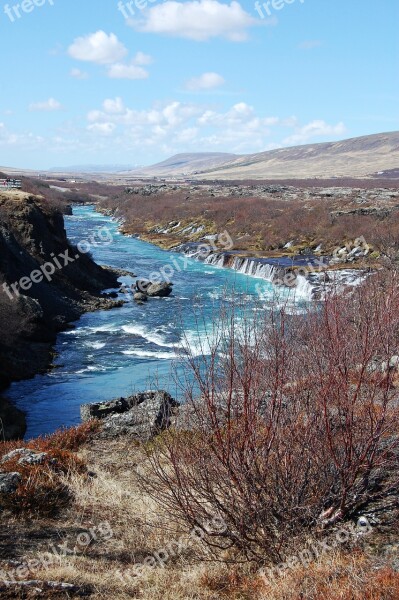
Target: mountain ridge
x: 356, y: 157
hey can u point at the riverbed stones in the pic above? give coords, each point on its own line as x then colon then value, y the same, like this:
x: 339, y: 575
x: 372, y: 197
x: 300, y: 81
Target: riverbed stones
x: 140, y: 297
x: 154, y: 290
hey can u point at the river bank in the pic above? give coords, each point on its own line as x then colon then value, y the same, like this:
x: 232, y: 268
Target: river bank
x: 45, y: 284
x: 136, y: 347
x: 313, y: 239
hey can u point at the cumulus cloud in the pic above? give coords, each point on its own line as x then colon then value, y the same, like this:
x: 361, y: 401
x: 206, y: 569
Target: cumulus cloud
x: 114, y: 106
x: 143, y: 59
x: 132, y: 70
x: 198, y: 20
x: 24, y: 140
x: 98, y: 47
x: 47, y: 106
x: 127, y: 71
x: 314, y: 129
x: 102, y: 128
x: 190, y: 127
x: 206, y: 81
x: 175, y: 127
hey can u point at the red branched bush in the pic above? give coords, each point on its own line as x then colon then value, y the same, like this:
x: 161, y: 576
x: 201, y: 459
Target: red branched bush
x: 291, y: 423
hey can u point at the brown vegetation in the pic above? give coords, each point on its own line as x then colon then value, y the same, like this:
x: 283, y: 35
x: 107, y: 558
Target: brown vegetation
x: 42, y: 490
x: 259, y: 224
x: 295, y: 423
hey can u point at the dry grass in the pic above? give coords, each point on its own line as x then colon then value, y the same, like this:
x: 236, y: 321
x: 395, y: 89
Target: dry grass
x: 139, y: 530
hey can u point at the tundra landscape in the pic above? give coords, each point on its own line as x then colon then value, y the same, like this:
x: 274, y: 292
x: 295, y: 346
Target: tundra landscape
x: 199, y: 301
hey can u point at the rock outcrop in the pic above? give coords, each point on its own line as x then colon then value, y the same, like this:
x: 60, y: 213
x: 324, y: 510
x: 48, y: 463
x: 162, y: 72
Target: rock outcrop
x: 25, y: 456
x: 141, y: 416
x: 9, y: 482
x: 154, y: 290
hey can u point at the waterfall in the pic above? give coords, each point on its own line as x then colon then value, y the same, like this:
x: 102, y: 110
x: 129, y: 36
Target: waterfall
x: 248, y: 266
x: 263, y: 270
x: 304, y: 288
x: 217, y: 260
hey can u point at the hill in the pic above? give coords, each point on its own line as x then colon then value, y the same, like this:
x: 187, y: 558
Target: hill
x: 185, y: 164
x: 356, y: 157
x: 360, y: 157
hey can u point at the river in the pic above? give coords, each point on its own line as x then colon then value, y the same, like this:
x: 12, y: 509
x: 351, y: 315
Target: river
x: 118, y: 352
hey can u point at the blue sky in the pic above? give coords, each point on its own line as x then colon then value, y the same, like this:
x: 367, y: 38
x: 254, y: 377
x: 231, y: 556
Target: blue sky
x: 82, y: 84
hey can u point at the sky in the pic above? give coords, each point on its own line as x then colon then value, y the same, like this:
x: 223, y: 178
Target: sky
x: 88, y: 82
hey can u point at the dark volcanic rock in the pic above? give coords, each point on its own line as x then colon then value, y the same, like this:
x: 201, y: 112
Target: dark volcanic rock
x: 12, y: 422
x: 31, y: 234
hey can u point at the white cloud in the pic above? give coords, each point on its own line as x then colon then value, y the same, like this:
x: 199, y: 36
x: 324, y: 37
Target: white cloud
x: 173, y: 127
x: 143, y: 59
x: 198, y: 20
x: 314, y: 129
x: 47, y: 106
x: 98, y: 47
x: 78, y: 74
x: 206, y: 81
x: 102, y: 128
x: 126, y: 71
x: 190, y: 127
x: 26, y: 140
x: 114, y: 106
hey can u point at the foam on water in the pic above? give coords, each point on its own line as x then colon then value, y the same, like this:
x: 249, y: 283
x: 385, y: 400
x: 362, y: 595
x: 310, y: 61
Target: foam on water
x: 150, y: 354
x: 114, y: 353
x: 150, y: 336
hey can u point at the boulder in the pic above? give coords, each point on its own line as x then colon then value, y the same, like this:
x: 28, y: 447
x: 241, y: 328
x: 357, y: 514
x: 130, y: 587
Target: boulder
x: 140, y: 297
x: 394, y: 362
x: 141, y: 416
x: 9, y: 482
x: 26, y: 456
x: 159, y: 290
x: 153, y: 290
x: 101, y: 410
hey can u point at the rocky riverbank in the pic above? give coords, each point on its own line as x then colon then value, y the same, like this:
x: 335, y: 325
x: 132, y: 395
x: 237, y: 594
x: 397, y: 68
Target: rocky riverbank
x: 45, y: 284
x: 313, y: 238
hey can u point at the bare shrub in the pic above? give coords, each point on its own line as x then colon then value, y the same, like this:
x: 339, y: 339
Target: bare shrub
x: 292, y: 423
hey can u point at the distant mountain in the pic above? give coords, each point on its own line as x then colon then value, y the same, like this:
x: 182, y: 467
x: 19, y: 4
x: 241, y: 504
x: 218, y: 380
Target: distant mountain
x: 91, y: 169
x: 185, y: 164
x: 356, y: 157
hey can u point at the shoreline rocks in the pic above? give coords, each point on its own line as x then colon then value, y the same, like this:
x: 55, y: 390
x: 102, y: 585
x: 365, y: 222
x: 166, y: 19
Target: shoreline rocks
x: 149, y: 289
x: 141, y: 416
